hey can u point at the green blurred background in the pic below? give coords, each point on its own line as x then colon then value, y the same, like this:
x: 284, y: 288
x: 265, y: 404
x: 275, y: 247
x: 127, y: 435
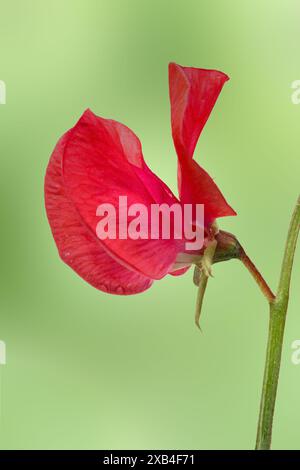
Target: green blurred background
x: 89, y: 370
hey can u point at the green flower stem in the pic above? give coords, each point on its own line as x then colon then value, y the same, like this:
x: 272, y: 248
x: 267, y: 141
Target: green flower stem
x: 257, y: 277
x: 278, y: 310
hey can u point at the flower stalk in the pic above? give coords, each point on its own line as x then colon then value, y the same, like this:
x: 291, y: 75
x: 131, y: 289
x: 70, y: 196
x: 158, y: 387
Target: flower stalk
x: 278, y: 310
x: 225, y: 248
x: 257, y: 277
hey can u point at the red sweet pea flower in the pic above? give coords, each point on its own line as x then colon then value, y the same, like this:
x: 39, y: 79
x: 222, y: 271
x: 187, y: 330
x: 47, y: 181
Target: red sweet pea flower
x: 99, y: 160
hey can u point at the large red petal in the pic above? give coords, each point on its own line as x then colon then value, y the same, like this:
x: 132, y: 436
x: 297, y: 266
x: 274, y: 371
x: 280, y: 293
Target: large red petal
x: 103, y: 161
x: 77, y: 245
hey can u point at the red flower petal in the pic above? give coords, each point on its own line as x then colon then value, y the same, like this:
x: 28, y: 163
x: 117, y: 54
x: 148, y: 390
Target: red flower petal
x: 193, y: 93
x: 77, y: 245
x: 180, y: 272
x: 102, y: 161
x: 196, y: 185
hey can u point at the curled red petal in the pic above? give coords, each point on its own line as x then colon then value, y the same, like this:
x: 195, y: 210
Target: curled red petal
x: 193, y: 93
x: 103, y: 161
x: 77, y: 245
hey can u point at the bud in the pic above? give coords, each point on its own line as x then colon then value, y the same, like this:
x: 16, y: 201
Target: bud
x: 228, y: 247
